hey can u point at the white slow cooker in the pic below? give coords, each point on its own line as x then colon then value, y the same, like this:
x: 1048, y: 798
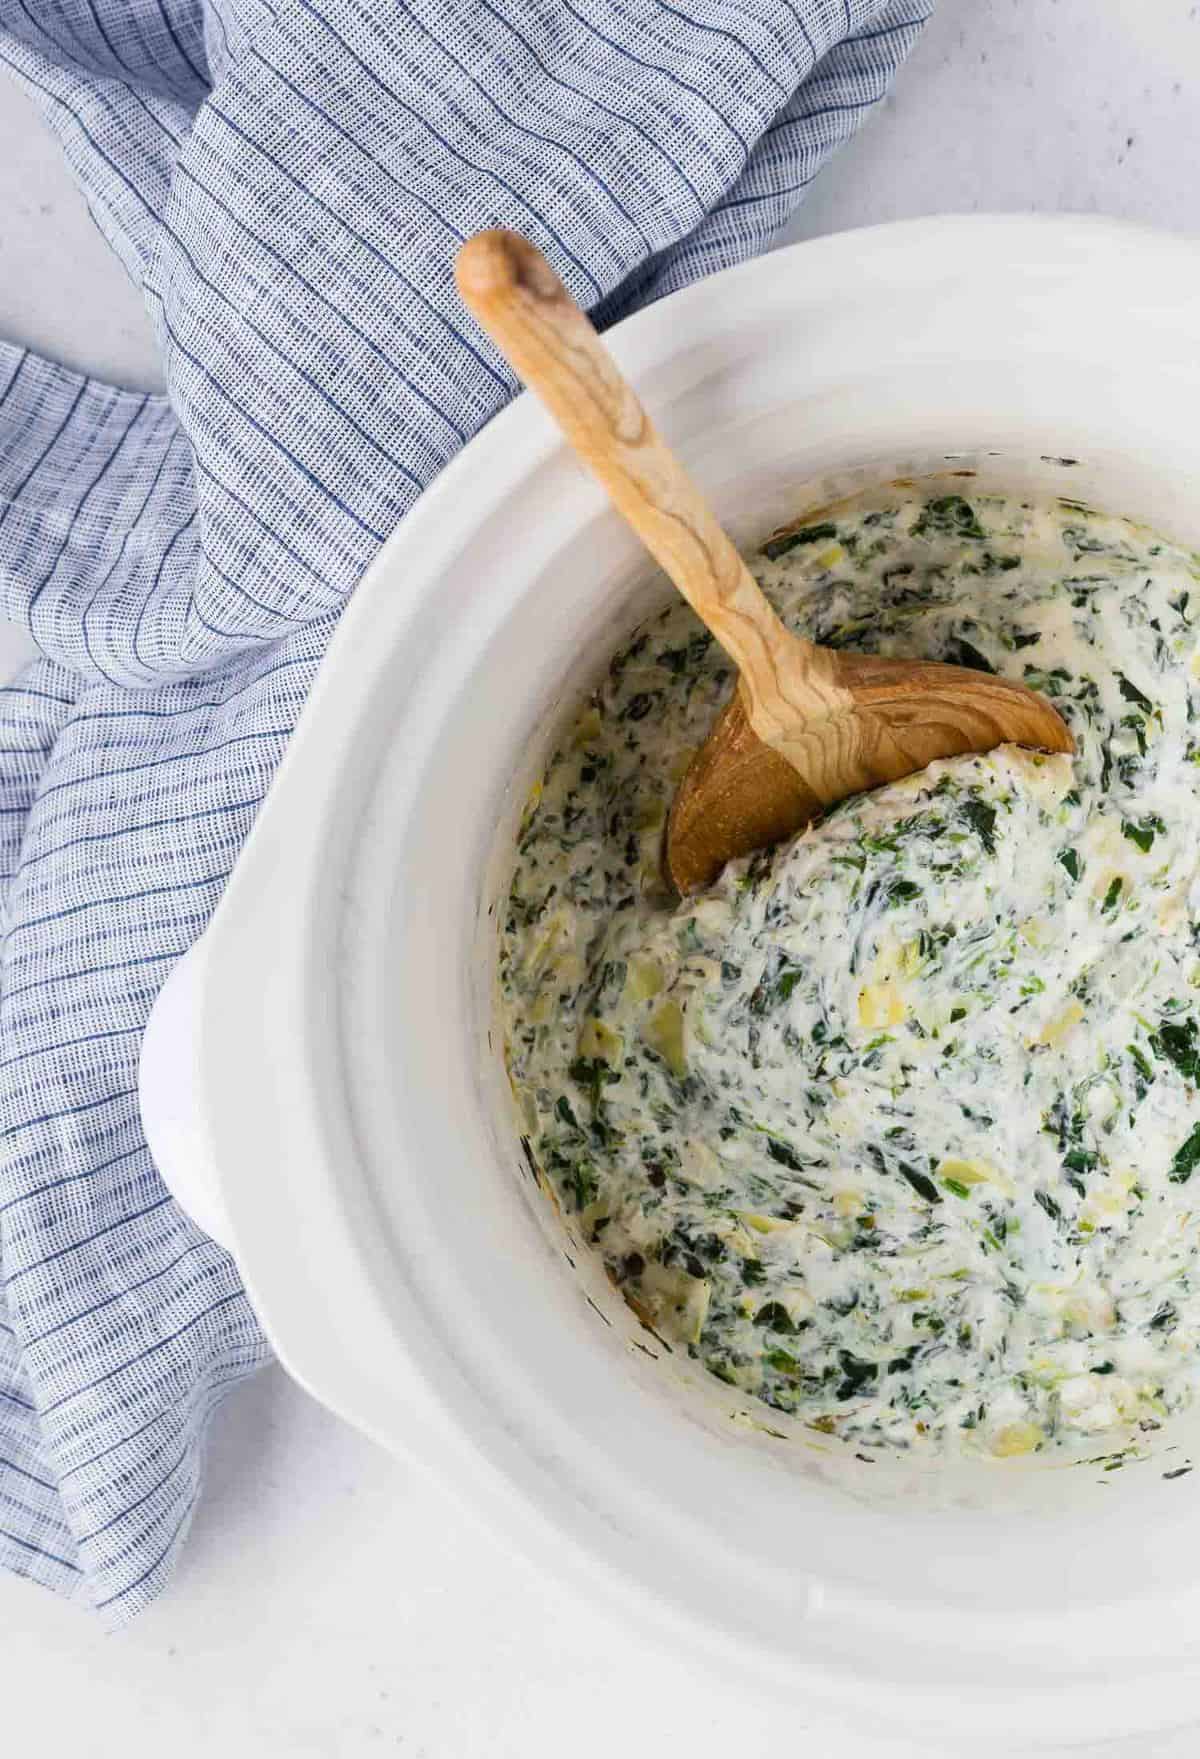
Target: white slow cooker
x: 319, y: 1090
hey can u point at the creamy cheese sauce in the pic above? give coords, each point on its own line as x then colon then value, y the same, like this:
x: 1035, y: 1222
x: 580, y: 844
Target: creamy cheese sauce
x: 895, y: 1127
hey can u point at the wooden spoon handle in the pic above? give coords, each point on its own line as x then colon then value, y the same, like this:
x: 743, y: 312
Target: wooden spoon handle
x: 518, y: 299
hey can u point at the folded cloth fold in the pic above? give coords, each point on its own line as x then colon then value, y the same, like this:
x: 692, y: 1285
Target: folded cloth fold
x: 288, y: 185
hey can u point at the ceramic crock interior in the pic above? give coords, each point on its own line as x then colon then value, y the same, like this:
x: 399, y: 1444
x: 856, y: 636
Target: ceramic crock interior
x: 900, y: 1480
x: 757, y: 1531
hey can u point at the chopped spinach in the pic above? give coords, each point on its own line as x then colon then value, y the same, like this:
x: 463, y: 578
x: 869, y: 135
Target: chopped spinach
x: 1044, y: 1200
x: 1185, y: 1159
x: 948, y: 516
x: 958, y: 652
x: 1176, y: 1040
x: 1142, y: 832
x: 902, y: 891
x: 808, y: 534
x: 784, y: 1153
x: 982, y: 819
x: 857, y: 1373
x: 1131, y: 693
x: 921, y: 1183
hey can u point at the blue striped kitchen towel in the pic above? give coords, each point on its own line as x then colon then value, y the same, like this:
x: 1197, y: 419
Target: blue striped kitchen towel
x: 287, y: 180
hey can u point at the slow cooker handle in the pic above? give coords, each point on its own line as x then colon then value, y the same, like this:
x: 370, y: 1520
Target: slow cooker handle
x: 170, y: 1097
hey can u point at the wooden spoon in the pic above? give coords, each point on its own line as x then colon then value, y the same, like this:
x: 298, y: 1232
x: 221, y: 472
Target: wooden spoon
x: 806, y: 725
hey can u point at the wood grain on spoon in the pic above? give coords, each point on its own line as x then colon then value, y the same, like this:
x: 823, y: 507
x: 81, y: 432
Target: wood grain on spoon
x: 806, y: 725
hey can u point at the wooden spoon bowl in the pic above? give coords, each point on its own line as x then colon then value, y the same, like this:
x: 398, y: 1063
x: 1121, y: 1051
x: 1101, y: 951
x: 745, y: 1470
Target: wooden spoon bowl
x: 742, y: 792
x: 807, y: 725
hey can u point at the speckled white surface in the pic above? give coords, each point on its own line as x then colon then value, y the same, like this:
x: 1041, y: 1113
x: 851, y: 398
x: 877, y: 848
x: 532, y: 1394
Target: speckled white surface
x: 330, y: 1604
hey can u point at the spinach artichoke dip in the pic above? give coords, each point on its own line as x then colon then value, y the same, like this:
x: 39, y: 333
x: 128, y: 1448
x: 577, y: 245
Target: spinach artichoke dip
x: 895, y: 1128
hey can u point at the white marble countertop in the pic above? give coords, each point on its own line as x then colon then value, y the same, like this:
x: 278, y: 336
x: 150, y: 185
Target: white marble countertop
x: 330, y: 1603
